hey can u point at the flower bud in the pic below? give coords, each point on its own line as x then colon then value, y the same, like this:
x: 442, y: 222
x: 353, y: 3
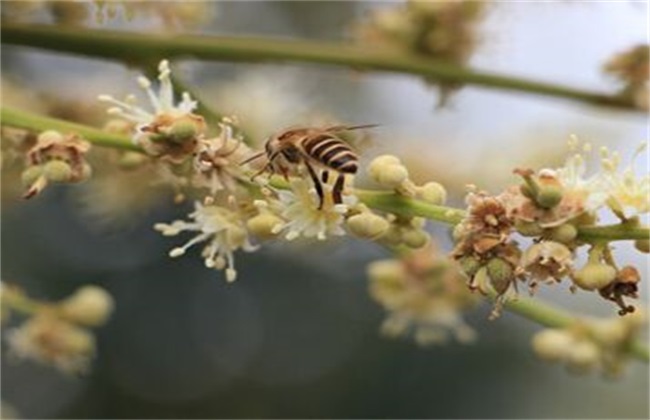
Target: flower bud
x: 564, y: 233
x: 549, y: 196
x: 415, y: 238
x: 392, y: 176
x: 594, y: 276
x: 583, y: 356
x: 433, y: 193
x: 131, y: 160
x: 552, y: 344
x: 386, y: 271
x: 264, y: 225
x: 368, y: 225
x: 31, y: 174
x: 501, y: 274
x: 50, y: 136
x: 57, y: 171
x: 528, y: 228
x: 642, y: 245
x: 90, y: 305
x: 86, y: 172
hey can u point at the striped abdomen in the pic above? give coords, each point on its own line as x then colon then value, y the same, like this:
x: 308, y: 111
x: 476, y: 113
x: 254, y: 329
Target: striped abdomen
x: 332, y: 152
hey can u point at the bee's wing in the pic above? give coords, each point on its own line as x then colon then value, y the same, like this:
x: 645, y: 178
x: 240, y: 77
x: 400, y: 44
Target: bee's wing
x: 337, y: 128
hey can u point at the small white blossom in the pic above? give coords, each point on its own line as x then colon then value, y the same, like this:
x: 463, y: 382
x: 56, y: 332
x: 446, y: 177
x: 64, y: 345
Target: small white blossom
x: 299, y: 208
x: 628, y: 193
x: 222, y: 230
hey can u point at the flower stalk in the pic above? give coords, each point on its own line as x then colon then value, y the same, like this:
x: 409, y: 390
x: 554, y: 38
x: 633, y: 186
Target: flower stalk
x: 144, y: 48
x: 381, y: 200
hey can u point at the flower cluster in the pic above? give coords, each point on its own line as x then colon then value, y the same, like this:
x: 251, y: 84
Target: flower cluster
x: 423, y: 294
x: 588, y: 345
x: 630, y: 68
x: 55, y: 158
x: 551, y: 206
x: 57, y: 334
x: 442, y: 30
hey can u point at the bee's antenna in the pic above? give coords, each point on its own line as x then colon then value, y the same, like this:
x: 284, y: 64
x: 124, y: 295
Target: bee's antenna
x: 252, y: 158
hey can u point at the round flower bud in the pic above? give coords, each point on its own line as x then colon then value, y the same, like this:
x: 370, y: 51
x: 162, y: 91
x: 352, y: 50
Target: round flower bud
x: 642, y: 245
x: 77, y: 341
x: 528, y: 228
x: 264, y: 225
x: 31, y: 174
x: 50, y: 136
x: 415, y: 238
x: 90, y: 305
x: 433, y: 193
x: 583, y: 356
x: 182, y: 131
x: 368, y: 225
x: 391, y: 176
x: 549, y: 196
x: 501, y: 274
x: 609, y: 332
x: 594, y: 276
x: 380, y: 162
x: 386, y: 271
x: 86, y: 172
x: 552, y: 344
x: 131, y: 160
x: 57, y: 171
x: 564, y: 233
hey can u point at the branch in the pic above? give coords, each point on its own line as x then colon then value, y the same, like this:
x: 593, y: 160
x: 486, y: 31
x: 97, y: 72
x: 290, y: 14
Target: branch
x: 137, y: 47
x: 381, y: 200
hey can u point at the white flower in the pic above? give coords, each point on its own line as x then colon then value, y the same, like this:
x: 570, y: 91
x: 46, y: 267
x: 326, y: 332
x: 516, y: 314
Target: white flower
x: 217, y: 160
x: 223, y: 231
x: 299, y: 208
x: 164, y: 113
x: 628, y: 192
x: 49, y: 340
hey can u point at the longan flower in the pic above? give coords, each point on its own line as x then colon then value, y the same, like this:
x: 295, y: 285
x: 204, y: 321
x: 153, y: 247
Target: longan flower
x: 547, y: 261
x: 55, y: 158
x: 217, y: 160
x: 50, y: 340
x: 628, y: 193
x: 422, y: 295
x: 170, y: 129
x: 222, y: 230
x: 298, y: 207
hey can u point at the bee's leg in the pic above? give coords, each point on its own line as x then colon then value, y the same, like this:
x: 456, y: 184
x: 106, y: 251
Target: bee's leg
x: 324, y: 176
x: 261, y: 171
x: 317, y: 184
x: 338, y: 189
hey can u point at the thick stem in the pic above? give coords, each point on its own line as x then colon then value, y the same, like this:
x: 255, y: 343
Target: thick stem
x: 138, y: 47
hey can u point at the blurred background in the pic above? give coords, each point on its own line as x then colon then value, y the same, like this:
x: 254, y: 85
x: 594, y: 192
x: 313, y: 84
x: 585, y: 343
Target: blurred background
x: 297, y: 336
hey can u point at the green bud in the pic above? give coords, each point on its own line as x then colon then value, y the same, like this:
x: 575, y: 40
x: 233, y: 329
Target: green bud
x: 57, y: 171
x: 469, y: 265
x: 368, y: 225
x: 528, y: 228
x: 549, y: 196
x: 564, y: 233
x: 415, y: 238
x: 642, y: 245
x: 527, y: 191
x: 131, y: 160
x: 433, y: 193
x: 182, y: 131
x: 594, y: 275
x: 31, y: 174
x: 501, y: 274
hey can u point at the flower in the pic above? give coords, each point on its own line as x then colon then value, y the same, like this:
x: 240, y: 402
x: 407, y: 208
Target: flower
x: 55, y: 158
x: 423, y: 295
x: 89, y: 305
x: 547, y: 261
x: 48, y: 339
x: 216, y: 162
x: 223, y: 231
x: 628, y: 193
x: 298, y: 207
x: 170, y: 129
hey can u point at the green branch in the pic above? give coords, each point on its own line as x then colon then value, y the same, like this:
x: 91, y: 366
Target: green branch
x: 381, y: 200
x: 138, y: 47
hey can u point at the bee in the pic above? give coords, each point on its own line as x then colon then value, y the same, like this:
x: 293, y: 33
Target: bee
x: 318, y: 149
